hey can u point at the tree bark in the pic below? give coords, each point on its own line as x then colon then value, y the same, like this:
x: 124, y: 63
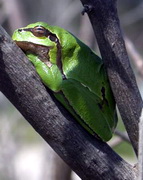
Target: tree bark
x: 89, y: 157
x: 104, y: 18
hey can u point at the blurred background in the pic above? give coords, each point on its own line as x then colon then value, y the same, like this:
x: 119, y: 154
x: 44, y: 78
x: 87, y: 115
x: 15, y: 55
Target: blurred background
x: 23, y: 153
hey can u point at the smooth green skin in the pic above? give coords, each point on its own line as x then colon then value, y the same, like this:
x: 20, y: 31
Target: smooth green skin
x: 82, y: 90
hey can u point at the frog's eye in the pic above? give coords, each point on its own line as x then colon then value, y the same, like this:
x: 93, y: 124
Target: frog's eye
x: 39, y: 31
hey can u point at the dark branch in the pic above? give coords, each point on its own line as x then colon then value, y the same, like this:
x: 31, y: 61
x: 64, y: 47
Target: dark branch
x: 104, y: 18
x: 87, y: 156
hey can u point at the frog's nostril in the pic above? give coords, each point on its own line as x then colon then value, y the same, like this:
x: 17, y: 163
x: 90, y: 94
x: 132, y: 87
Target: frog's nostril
x: 19, y: 30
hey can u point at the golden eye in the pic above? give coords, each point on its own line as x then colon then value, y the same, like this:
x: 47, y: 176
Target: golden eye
x: 39, y: 31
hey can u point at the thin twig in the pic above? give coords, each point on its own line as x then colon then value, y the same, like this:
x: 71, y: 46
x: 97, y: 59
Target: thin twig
x: 122, y: 135
x: 115, y: 141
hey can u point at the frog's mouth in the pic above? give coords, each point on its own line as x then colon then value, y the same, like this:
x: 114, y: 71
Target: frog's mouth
x: 39, y: 50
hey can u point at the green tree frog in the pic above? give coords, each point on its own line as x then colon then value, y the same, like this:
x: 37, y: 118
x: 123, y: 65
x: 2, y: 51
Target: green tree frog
x: 74, y: 73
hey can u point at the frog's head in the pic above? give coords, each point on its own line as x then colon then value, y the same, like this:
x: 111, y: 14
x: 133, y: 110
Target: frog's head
x: 38, y: 39
x: 49, y: 43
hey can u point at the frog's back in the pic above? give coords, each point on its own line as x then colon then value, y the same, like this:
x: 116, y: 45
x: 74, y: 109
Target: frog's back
x: 80, y: 63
